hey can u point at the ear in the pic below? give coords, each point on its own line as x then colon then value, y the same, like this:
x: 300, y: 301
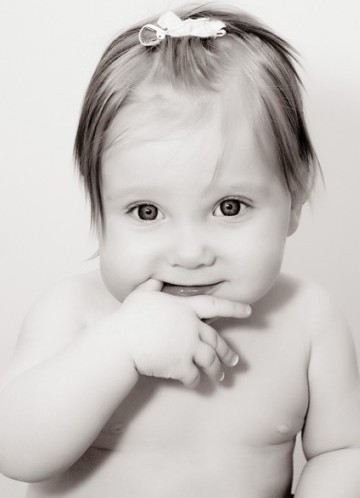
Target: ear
x: 295, y: 216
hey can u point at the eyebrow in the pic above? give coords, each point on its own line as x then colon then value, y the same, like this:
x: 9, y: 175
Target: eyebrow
x: 123, y: 193
x: 246, y: 188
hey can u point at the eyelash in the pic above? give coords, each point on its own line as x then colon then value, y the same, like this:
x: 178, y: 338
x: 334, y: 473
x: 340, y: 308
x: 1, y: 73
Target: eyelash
x: 131, y: 210
x: 245, y: 204
x: 242, y: 202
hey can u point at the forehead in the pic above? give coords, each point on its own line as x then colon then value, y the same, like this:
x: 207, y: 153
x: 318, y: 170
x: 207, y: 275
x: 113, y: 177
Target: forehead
x: 154, y: 108
x: 198, y: 136
x: 154, y: 112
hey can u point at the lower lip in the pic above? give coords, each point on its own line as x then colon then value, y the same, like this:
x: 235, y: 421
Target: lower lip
x: 187, y: 291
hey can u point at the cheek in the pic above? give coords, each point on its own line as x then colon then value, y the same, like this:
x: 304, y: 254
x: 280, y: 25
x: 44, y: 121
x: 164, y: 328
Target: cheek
x: 257, y: 267
x: 125, y: 263
x: 123, y: 266
x: 265, y: 268
x: 257, y: 259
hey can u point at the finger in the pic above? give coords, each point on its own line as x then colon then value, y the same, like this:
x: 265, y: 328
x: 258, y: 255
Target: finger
x: 192, y: 377
x: 211, y: 307
x: 206, y: 358
x: 223, y: 350
x: 226, y: 354
x: 208, y: 335
x: 150, y: 285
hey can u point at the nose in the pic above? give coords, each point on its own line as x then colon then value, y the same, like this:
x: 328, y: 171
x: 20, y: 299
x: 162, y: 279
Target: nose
x: 191, y: 249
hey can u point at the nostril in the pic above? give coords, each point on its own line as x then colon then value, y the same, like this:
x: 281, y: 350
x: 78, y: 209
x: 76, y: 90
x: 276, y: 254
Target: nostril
x: 191, y: 258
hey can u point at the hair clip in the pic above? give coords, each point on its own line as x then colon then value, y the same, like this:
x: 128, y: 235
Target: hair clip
x: 151, y: 35
x: 169, y: 24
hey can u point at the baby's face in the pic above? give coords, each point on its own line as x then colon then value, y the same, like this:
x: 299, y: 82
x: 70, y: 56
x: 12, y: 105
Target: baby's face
x: 173, y: 213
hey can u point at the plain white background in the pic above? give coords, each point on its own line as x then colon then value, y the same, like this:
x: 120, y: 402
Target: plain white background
x: 48, y: 52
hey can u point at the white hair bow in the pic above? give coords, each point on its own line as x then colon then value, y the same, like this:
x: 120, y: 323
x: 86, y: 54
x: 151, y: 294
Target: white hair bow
x: 169, y: 24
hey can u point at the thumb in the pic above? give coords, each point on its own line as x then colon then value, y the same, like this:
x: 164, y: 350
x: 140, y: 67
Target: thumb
x: 150, y: 285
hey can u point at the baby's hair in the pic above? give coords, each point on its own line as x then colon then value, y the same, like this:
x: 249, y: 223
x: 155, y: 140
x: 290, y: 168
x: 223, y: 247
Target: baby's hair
x: 266, y: 61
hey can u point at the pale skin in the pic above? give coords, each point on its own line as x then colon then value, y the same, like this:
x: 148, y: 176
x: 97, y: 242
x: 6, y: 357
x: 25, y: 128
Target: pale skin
x: 120, y: 388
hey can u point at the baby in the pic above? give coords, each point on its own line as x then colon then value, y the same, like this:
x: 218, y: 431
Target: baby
x: 152, y: 376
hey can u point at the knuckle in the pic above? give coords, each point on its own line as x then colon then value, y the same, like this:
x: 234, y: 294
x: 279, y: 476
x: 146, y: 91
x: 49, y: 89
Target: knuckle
x: 216, y: 304
x: 192, y: 377
x: 193, y: 302
x: 231, y: 307
x: 210, y: 357
x: 212, y: 337
x: 223, y: 307
x: 205, y: 356
x: 222, y: 348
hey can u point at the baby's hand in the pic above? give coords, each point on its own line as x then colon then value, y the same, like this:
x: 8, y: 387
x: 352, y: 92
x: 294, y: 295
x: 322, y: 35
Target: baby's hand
x: 166, y: 337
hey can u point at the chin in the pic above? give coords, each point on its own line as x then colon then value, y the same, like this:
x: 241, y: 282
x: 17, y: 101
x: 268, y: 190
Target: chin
x: 247, y: 294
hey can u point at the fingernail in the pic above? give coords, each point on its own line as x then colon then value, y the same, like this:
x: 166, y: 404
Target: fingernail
x: 247, y: 310
x: 235, y: 361
x: 222, y: 377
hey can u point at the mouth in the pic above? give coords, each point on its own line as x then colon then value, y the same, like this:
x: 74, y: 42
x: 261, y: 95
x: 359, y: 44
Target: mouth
x: 188, y: 290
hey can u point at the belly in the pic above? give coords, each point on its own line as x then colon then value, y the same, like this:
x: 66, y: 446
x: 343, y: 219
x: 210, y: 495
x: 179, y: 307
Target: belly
x: 221, y: 472
x: 166, y: 441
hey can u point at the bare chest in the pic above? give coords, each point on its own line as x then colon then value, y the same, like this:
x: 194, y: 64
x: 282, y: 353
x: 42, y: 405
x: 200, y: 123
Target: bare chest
x: 172, y: 441
x: 262, y: 401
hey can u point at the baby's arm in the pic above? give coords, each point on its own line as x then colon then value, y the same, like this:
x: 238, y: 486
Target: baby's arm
x: 63, y: 383
x: 68, y: 378
x: 331, y: 437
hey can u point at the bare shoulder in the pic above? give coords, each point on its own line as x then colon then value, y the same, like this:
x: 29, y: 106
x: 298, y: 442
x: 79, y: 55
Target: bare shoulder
x: 310, y: 303
x: 59, y: 316
x: 79, y: 297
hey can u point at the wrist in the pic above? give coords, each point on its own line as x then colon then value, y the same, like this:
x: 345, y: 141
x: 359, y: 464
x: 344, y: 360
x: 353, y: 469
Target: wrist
x: 110, y: 342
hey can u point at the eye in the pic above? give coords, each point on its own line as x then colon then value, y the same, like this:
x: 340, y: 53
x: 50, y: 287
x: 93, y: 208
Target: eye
x: 230, y: 207
x: 145, y: 212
